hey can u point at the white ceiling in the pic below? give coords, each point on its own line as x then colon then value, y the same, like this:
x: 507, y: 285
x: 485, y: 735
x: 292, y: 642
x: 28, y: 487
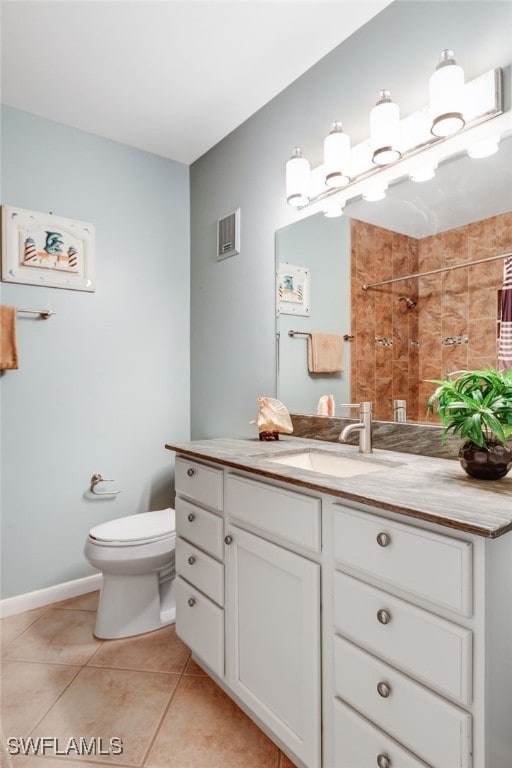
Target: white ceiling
x: 171, y: 78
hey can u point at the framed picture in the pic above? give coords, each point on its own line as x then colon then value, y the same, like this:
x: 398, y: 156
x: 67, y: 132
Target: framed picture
x: 48, y: 250
x: 292, y: 290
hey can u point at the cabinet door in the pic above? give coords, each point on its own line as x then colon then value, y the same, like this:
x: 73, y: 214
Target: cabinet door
x: 273, y: 639
x: 200, y: 624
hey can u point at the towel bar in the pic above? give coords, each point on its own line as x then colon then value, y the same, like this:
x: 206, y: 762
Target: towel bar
x: 44, y: 314
x: 346, y: 336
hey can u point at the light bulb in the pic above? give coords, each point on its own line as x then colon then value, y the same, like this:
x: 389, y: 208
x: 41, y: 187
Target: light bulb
x: 332, y: 211
x: 446, y: 89
x: 423, y: 172
x: 298, y: 179
x: 385, y: 133
x: 337, y: 157
x: 483, y: 148
x: 375, y: 192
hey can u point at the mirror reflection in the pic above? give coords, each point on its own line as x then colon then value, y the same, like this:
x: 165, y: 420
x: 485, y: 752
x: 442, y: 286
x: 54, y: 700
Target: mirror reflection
x: 405, y: 331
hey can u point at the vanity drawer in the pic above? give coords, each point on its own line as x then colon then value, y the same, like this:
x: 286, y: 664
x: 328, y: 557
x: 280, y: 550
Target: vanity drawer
x: 199, y: 482
x: 358, y: 744
x: 436, y: 651
x: 429, y: 565
x: 200, y: 527
x: 200, y: 570
x: 293, y: 517
x: 435, y: 730
x: 200, y: 624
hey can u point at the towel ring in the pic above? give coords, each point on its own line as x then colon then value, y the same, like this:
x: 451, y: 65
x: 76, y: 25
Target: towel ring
x: 97, y: 478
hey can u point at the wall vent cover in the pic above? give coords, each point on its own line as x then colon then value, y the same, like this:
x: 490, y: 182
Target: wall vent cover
x: 228, y: 235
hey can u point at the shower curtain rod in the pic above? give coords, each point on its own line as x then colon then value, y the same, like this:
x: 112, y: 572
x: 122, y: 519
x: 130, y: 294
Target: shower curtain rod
x: 366, y: 286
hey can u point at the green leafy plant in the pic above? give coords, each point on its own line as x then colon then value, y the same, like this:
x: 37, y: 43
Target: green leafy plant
x: 477, y: 405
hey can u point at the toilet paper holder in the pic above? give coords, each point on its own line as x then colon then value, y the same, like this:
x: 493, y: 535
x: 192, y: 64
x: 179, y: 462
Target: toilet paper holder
x: 97, y: 478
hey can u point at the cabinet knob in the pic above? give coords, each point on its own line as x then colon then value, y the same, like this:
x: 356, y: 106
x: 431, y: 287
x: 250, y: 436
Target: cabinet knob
x: 228, y: 539
x: 383, y: 539
x: 191, y: 517
x: 191, y: 472
x: 383, y: 761
x: 384, y: 690
x: 191, y: 601
x: 384, y: 617
x: 191, y: 560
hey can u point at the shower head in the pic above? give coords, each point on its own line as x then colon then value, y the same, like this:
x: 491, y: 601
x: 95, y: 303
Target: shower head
x: 410, y: 302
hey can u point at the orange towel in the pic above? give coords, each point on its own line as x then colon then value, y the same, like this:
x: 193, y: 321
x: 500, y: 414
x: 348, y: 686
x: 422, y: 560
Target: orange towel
x: 8, y: 348
x: 325, y: 353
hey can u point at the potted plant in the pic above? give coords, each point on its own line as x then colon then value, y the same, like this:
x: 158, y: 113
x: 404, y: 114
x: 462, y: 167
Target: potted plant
x: 477, y: 405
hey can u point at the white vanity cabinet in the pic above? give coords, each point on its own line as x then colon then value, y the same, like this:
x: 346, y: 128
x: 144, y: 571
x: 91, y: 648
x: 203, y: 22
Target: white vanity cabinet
x: 355, y: 637
x: 199, y: 561
x: 273, y: 610
x: 419, y: 651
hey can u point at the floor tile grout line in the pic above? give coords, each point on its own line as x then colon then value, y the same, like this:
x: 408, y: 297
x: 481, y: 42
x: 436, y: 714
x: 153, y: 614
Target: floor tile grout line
x: 166, y: 710
x: 38, y: 722
x: 47, y: 608
x: 45, y: 663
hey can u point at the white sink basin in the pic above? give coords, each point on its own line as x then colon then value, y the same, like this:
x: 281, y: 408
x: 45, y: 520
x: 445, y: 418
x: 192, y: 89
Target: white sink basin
x: 329, y: 463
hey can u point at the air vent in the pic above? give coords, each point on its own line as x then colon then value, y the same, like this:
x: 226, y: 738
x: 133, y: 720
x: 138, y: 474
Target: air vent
x: 228, y: 235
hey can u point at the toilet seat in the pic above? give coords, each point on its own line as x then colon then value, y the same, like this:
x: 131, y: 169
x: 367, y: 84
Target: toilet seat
x: 132, y: 530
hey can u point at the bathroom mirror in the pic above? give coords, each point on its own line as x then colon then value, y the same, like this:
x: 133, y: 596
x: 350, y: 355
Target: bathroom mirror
x: 408, y: 331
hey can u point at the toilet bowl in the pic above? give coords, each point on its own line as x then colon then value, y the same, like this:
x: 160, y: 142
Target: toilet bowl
x: 136, y: 557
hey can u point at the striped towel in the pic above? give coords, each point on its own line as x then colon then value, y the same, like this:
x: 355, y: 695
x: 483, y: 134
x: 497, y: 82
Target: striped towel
x: 505, y: 348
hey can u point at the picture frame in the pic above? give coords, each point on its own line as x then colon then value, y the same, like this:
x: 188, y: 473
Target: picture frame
x: 47, y: 250
x: 292, y: 290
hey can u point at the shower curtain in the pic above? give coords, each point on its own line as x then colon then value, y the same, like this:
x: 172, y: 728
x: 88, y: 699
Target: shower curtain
x: 505, y: 347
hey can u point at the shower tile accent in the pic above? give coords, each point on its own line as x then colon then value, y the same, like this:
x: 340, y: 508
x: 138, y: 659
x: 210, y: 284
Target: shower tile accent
x: 461, y: 303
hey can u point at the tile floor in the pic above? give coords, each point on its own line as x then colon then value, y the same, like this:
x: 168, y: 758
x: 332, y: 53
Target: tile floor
x: 60, y: 682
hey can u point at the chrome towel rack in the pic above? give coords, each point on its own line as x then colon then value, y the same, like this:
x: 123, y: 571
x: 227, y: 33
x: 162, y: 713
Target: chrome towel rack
x: 44, y: 314
x: 346, y: 336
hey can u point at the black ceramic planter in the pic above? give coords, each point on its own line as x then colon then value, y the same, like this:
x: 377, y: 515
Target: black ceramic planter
x: 489, y: 463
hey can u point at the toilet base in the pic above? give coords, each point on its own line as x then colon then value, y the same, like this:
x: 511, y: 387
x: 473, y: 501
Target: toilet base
x: 133, y: 605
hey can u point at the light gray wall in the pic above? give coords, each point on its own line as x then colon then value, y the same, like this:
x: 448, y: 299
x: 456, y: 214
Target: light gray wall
x: 104, y: 383
x: 232, y: 302
x: 323, y: 245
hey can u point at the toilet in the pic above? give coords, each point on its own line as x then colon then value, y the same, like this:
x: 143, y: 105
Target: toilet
x: 136, y: 557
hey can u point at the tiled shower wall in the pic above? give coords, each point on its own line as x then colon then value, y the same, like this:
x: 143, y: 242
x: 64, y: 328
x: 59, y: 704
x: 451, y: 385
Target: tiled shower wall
x: 453, y: 326
x: 384, y: 349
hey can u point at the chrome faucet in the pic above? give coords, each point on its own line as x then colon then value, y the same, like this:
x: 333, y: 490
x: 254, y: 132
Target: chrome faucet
x: 363, y: 426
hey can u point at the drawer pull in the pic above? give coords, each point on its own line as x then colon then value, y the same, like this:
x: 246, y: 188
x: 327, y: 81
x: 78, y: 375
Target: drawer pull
x: 383, y: 761
x: 383, y: 539
x: 191, y: 560
x: 191, y: 472
x: 383, y: 616
x: 191, y: 517
x: 191, y: 601
x: 384, y: 690
x: 228, y: 539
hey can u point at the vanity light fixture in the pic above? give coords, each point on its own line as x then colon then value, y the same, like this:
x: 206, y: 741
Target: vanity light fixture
x: 446, y: 90
x: 337, y: 156
x: 298, y: 175
x: 375, y: 192
x: 423, y: 138
x: 484, y: 148
x: 423, y: 172
x: 385, y: 134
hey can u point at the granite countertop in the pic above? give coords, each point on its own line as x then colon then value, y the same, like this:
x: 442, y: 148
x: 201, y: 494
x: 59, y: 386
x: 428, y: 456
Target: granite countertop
x: 433, y: 489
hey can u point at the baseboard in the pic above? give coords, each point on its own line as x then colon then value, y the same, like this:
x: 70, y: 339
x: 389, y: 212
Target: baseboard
x: 20, y: 603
